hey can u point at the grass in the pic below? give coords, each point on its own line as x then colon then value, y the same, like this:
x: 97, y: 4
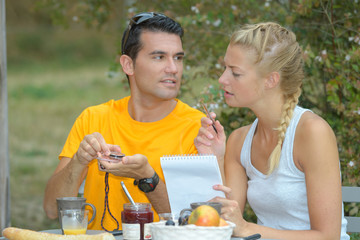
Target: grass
x: 42, y: 109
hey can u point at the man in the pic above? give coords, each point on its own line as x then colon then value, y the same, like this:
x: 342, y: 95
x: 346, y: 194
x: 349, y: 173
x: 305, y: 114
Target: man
x: 144, y: 126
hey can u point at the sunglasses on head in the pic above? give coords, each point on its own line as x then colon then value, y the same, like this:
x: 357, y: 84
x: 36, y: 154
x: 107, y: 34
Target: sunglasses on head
x: 137, y: 19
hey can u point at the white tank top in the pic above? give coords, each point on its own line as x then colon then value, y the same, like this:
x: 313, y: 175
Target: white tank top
x: 279, y: 200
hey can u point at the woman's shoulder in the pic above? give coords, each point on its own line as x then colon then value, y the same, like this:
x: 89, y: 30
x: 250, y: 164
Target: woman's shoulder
x: 312, y: 124
x: 314, y: 138
x: 235, y: 142
x: 239, y: 135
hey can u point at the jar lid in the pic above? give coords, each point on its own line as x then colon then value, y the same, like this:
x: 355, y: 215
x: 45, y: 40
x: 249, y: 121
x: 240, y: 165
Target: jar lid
x: 137, y: 206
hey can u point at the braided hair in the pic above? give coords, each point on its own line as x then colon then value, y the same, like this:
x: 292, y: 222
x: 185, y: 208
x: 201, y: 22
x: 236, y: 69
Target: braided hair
x: 276, y: 50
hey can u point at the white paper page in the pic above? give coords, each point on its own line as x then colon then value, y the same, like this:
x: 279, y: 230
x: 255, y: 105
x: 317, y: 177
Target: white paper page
x: 190, y: 179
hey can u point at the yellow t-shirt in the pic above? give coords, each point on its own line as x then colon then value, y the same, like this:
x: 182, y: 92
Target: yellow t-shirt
x: 173, y: 134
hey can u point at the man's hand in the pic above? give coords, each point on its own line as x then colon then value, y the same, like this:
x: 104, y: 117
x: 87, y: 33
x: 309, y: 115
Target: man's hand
x: 136, y: 166
x: 92, y: 146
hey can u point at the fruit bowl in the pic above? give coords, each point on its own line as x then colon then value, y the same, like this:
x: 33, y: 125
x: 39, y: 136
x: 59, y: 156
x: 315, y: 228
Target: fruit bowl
x: 162, y: 232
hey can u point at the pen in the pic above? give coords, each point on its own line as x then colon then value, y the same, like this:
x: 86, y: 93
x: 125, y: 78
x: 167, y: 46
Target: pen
x: 208, y: 115
x: 116, y: 232
x: 253, y: 237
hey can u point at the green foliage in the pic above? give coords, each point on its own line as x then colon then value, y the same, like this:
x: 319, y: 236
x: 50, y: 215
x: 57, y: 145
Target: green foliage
x: 55, y: 9
x: 34, y: 47
x: 94, y: 13
x: 35, y: 92
x: 328, y: 31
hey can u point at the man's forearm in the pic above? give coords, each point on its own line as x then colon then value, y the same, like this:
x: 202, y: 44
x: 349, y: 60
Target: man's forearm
x: 63, y: 183
x: 159, y: 198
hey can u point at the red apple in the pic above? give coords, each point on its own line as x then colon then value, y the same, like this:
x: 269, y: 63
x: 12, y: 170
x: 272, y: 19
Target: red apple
x: 222, y: 222
x: 204, y: 215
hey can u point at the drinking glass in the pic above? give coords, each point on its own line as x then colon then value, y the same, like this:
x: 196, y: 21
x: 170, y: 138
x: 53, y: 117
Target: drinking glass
x: 74, y: 221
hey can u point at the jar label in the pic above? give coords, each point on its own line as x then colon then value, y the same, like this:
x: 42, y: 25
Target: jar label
x: 147, y: 231
x: 131, y: 231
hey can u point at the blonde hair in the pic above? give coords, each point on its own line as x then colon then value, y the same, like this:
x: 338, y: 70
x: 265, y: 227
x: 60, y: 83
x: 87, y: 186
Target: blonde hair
x: 276, y: 50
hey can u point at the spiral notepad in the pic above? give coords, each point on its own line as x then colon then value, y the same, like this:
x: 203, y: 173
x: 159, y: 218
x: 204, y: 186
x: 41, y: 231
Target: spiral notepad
x: 190, y: 178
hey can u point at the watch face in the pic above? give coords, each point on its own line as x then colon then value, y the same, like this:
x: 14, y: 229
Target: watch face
x: 148, y: 184
x: 145, y: 187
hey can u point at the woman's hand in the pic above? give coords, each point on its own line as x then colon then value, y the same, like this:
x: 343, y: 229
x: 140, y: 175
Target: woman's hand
x: 230, y: 210
x: 208, y: 141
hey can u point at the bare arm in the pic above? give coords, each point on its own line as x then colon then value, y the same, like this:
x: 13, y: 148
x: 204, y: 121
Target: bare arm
x: 65, y: 181
x: 236, y: 182
x: 235, y: 174
x: 317, y: 154
x: 159, y: 198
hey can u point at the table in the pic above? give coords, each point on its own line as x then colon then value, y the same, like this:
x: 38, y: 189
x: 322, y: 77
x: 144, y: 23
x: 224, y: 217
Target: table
x: 119, y: 237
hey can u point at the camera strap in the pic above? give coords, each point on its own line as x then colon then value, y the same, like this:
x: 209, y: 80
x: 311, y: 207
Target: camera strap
x: 106, y: 205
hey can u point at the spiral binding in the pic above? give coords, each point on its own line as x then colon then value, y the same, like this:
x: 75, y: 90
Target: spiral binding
x: 179, y: 156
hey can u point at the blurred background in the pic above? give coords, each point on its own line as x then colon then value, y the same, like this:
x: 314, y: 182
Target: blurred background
x: 54, y: 71
x: 62, y: 57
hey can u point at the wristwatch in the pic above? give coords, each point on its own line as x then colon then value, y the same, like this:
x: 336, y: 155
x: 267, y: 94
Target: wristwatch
x: 148, y: 184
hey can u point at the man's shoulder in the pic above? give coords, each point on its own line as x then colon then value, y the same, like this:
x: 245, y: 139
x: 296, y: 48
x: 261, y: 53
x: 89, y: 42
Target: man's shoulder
x: 105, y: 108
x: 187, y: 111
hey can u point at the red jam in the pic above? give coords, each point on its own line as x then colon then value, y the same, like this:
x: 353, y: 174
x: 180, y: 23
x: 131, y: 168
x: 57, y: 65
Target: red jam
x: 134, y: 221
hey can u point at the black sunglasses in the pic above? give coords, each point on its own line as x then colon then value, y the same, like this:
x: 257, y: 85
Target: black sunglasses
x: 137, y: 19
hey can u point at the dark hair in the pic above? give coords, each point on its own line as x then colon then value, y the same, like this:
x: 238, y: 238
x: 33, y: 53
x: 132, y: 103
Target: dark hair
x: 157, y: 23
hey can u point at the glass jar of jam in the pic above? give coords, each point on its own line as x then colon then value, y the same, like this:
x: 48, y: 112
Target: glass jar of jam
x: 135, y: 221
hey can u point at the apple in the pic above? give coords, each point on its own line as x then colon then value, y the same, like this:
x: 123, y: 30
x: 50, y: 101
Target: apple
x: 222, y: 222
x: 204, y: 215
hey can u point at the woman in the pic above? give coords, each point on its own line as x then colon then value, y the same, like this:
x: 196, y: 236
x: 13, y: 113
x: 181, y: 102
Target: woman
x: 286, y: 163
